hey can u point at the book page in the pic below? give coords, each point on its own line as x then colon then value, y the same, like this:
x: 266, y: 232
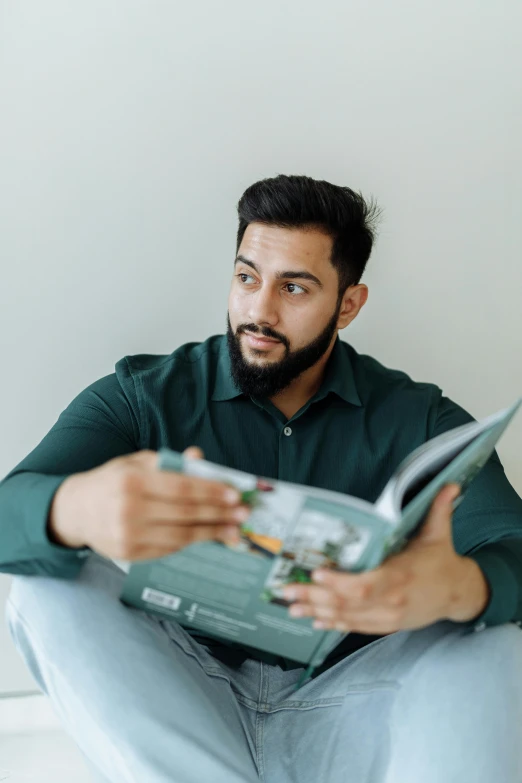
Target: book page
x: 423, y: 465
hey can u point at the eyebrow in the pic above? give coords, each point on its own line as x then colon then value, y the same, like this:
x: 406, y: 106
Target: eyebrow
x: 299, y: 274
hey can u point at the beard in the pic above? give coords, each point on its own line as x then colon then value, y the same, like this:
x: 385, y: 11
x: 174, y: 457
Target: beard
x: 274, y: 376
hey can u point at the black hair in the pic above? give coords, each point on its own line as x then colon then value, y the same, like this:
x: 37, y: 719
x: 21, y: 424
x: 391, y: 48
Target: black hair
x: 300, y: 201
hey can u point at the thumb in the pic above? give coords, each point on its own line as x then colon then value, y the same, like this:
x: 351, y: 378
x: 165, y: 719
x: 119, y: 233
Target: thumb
x: 437, y: 525
x: 194, y: 452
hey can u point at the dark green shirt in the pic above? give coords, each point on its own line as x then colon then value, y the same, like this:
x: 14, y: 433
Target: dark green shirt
x: 348, y: 437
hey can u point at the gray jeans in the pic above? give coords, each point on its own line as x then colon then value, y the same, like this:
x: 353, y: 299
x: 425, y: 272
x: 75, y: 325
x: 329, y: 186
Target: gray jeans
x: 145, y: 702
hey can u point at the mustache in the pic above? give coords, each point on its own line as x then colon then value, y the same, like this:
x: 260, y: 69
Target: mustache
x: 253, y: 329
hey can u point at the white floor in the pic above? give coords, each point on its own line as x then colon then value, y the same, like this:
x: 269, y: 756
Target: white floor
x: 33, y: 748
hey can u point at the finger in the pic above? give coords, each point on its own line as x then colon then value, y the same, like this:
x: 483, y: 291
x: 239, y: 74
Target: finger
x: 162, y: 512
x: 378, y: 621
x: 317, y: 596
x: 396, y: 599
x: 448, y: 494
x: 360, y: 588
x: 193, y: 452
x: 437, y: 526
x: 165, y: 485
x: 168, y: 485
x: 161, y: 541
x: 312, y: 594
x: 321, y: 611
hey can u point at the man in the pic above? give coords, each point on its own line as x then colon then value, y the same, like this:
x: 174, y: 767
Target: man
x: 412, y: 693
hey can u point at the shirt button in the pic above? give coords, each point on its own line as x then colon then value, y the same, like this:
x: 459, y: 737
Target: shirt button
x: 480, y: 626
x: 287, y: 430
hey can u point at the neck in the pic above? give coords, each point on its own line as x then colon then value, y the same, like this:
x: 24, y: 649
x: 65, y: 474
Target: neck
x: 303, y: 388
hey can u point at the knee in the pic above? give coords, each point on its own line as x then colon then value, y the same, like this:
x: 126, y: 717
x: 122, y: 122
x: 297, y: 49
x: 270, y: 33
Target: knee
x: 498, y: 648
x: 488, y: 658
x: 33, y: 606
x: 459, y: 711
x: 24, y: 591
x: 47, y: 605
x: 33, y: 599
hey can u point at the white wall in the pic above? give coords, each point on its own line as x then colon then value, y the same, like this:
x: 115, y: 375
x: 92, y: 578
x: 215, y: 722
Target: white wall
x: 130, y: 129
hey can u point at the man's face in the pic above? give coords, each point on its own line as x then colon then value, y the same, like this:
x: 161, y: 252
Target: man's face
x: 284, y: 288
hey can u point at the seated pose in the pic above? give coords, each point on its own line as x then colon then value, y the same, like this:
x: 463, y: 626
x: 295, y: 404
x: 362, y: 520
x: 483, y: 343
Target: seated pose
x: 426, y: 686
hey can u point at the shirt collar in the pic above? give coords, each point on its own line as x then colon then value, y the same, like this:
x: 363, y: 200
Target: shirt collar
x: 224, y: 386
x: 339, y: 376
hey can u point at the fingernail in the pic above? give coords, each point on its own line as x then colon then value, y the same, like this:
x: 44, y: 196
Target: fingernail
x: 241, y: 514
x: 231, y: 496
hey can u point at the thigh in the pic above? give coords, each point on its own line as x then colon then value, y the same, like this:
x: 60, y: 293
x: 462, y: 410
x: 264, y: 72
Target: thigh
x: 336, y: 727
x: 436, y: 704
x: 122, y: 686
x: 459, y: 712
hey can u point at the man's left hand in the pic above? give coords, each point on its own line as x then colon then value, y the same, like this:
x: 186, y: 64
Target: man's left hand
x: 426, y: 582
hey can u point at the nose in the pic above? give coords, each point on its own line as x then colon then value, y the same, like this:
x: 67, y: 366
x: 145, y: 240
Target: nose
x: 262, y: 307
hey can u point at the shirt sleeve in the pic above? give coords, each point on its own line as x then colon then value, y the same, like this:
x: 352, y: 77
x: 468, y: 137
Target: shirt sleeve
x: 101, y: 423
x: 487, y: 526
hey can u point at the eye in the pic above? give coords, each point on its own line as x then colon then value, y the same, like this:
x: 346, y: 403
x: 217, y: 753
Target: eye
x: 294, y: 285
x: 241, y: 275
x: 295, y: 290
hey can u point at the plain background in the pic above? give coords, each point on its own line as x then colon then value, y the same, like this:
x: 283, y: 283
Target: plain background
x: 130, y: 129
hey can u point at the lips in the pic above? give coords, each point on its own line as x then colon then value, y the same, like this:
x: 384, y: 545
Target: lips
x: 260, y: 342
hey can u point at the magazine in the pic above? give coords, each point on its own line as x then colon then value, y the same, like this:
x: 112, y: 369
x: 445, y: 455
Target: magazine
x: 233, y: 592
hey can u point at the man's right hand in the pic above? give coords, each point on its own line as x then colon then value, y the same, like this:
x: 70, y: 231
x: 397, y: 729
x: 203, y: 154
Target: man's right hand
x: 128, y: 509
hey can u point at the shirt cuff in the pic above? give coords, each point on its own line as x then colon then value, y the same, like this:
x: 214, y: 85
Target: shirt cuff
x: 37, y: 544
x: 503, y: 585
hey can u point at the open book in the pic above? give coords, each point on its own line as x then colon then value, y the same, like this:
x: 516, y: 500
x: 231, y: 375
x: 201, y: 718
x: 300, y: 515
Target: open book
x: 234, y: 592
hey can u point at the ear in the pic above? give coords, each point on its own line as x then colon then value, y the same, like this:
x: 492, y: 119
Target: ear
x: 354, y: 298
